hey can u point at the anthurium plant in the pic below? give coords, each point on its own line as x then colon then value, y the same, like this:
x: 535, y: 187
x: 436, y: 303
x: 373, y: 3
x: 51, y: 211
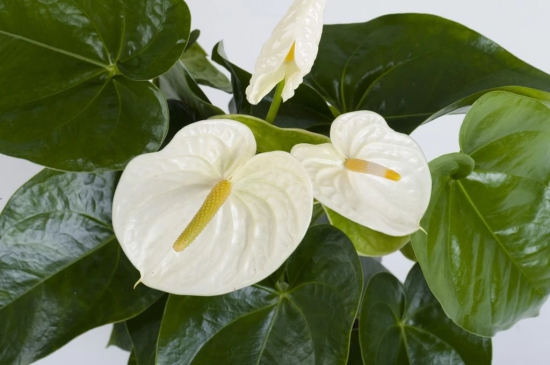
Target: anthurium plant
x: 250, y: 234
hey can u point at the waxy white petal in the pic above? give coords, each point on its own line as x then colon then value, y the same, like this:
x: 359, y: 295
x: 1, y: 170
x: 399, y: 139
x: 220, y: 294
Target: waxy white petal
x: 391, y: 207
x: 302, y: 26
x: 253, y: 233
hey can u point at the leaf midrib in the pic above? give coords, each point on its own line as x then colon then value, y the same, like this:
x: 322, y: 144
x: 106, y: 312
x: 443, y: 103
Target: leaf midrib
x: 55, y: 49
x: 61, y: 269
x: 503, y: 247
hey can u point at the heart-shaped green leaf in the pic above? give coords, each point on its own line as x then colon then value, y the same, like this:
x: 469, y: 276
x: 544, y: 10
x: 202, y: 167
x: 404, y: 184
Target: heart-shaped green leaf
x: 75, y: 94
x: 61, y: 268
x: 302, y: 315
x: 487, y: 253
x: 306, y: 109
x: 367, y: 242
x: 410, y: 67
x: 272, y: 138
x: 406, y: 325
x: 195, y: 60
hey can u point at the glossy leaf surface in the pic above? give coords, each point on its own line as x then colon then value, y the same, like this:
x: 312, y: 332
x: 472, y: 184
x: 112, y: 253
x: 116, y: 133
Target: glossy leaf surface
x: 304, y: 309
x: 367, y: 242
x: 272, y: 138
x: 62, y: 272
x: 487, y: 255
x: 90, y: 107
x: 408, y: 67
x: 306, y: 109
x: 406, y: 325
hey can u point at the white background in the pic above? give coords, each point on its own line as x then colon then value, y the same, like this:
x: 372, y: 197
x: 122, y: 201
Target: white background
x: 522, y: 27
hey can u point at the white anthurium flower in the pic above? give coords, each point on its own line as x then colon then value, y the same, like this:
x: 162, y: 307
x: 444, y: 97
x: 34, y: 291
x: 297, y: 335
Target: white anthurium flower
x: 206, y: 216
x: 369, y: 174
x: 290, y: 52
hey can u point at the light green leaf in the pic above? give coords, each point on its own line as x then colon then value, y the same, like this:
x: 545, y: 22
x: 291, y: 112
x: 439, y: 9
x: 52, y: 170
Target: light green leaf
x: 367, y: 242
x: 301, y: 315
x: 75, y: 92
x: 411, y: 68
x: 406, y: 325
x: 486, y: 256
x: 272, y: 138
x: 61, y: 268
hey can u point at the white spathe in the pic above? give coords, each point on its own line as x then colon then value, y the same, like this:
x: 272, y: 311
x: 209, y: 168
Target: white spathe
x: 257, y: 228
x: 391, y: 207
x: 300, y: 28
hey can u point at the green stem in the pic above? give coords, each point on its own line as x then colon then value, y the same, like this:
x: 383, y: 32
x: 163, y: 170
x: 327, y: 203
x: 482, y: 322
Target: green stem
x: 276, y: 104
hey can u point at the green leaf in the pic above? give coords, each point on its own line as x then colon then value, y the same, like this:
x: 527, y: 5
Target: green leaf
x: 272, y: 138
x: 406, y: 325
x: 306, y: 110
x: 193, y: 38
x: 120, y: 337
x: 302, y: 315
x: 205, y: 73
x: 144, y: 330
x: 132, y: 359
x: 355, y: 349
x: 239, y: 80
x: 371, y: 266
x: 486, y: 256
x: 412, y: 67
x: 408, y: 252
x: 318, y: 215
x: 178, y: 84
x: 61, y: 268
x: 367, y: 242
x: 75, y: 94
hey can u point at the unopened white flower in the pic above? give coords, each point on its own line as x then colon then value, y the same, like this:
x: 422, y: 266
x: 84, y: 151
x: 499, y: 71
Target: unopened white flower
x: 206, y: 216
x: 290, y: 52
x: 369, y: 174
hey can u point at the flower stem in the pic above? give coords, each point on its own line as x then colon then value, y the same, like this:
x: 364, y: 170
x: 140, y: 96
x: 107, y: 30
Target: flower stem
x: 276, y: 103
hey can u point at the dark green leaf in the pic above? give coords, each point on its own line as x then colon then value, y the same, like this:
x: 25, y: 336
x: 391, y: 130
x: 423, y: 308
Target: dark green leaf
x: 318, y: 216
x: 62, y: 272
x: 408, y: 252
x: 406, y: 325
x: 410, y: 67
x: 132, y: 359
x: 195, y: 60
x: 193, y: 37
x: 355, y: 349
x: 120, y: 337
x: 239, y: 81
x: 367, y: 241
x: 305, y: 110
x: 75, y: 94
x: 301, y: 315
x: 144, y: 331
x: 178, y: 84
x: 371, y: 266
x: 486, y: 256
x: 272, y: 138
